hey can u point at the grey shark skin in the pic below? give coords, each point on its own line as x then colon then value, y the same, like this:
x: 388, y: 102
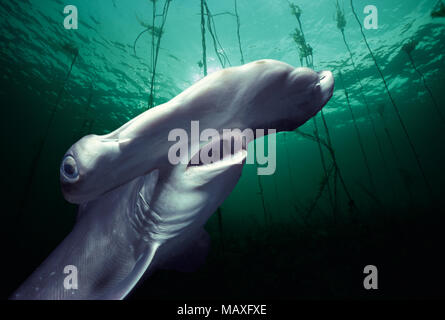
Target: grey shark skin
x: 137, y: 212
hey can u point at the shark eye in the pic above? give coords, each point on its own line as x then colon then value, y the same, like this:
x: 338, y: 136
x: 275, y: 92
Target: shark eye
x: 69, y: 170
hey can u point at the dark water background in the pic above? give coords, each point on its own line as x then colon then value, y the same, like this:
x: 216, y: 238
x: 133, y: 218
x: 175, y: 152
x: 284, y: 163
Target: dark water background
x: 282, y: 249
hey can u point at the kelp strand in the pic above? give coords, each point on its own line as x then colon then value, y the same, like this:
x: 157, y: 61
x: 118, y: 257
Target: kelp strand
x: 396, y: 109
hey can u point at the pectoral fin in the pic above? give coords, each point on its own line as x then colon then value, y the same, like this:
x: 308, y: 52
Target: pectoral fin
x: 191, y: 257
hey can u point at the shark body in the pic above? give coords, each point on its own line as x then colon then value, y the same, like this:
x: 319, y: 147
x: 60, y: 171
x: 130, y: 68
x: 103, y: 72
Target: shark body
x: 137, y: 211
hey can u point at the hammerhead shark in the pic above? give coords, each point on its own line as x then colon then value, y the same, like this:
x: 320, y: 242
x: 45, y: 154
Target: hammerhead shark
x: 138, y: 212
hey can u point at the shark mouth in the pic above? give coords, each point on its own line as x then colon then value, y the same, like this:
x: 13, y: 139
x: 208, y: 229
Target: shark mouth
x: 219, y: 151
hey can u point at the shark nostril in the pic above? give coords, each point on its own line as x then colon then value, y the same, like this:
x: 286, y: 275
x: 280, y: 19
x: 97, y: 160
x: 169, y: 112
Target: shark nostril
x: 322, y: 75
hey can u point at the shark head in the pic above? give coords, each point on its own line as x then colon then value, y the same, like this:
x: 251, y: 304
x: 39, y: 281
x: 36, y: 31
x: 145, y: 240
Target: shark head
x: 275, y: 94
x: 265, y: 94
x: 134, y: 199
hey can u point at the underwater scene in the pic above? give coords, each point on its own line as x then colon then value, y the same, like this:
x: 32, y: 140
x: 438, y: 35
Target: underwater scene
x: 359, y: 184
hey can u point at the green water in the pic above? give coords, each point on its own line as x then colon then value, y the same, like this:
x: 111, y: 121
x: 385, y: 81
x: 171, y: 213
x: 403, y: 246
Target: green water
x: 296, y: 245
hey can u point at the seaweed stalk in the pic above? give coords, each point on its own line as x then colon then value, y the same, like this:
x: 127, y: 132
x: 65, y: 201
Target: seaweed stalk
x: 341, y: 24
x: 155, y: 48
x: 203, y: 37
x: 263, y: 202
x: 396, y: 109
x: 336, y: 172
x: 408, y: 48
x: 219, y: 50
x: 288, y: 162
x: 304, y: 49
x: 156, y: 33
x: 351, y: 202
x: 381, y: 112
x: 359, y: 137
x: 306, y: 53
x: 323, y: 163
x: 154, y: 56
x: 328, y: 146
x: 222, y: 57
x: 220, y: 228
x: 324, y: 182
x: 277, y: 197
x: 86, y: 121
x: 148, y: 28
x: 73, y: 50
x: 371, y: 195
x: 238, y: 27
x: 381, y: 109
